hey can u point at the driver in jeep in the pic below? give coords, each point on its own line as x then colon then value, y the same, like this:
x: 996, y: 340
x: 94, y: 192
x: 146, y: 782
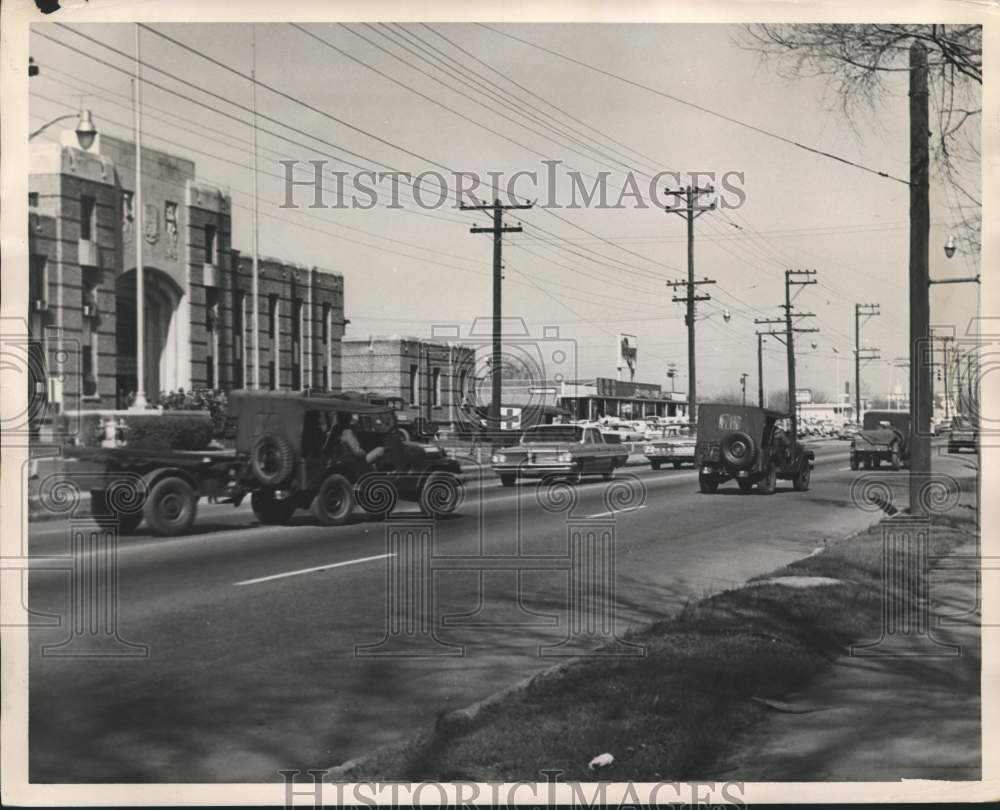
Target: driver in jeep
x: 341, y: 437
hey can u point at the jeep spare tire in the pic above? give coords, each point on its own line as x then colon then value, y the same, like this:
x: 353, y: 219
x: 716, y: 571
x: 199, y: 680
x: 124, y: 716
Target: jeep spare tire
x: 738, y: 450
x: 272, y: 460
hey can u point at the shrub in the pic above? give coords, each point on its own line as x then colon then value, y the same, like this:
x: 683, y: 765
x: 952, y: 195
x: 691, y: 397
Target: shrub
x: 198, y: 399
x: 168, y: 431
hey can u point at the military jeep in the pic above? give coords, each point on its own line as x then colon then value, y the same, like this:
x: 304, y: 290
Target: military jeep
x: 884, y: 436
x: 292, y: 458
x: 746, y: 443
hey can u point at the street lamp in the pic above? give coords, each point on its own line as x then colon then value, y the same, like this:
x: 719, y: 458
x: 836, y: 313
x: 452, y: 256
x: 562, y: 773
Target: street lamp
x: 949, y: 246
x: 86, y: 132
x: 727, y: 316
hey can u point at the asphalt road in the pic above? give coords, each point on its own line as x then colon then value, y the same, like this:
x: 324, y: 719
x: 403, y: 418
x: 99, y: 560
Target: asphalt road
x: 251, y: 630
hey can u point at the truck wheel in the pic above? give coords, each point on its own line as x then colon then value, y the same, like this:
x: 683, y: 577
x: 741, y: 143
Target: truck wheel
x: 894, y: 460
x: 508, y: 479
x: 855, y: 463
x: 171, y: 506
x: 270, y: 510
x: 769, y: 483
x: 404, y: 434
x: 272, y: 460
x: 655, y: 464
x: 708, y: 482
x: 801, y: 480
x: 677, y: 465
x: 108, y: 518
x: 334, y: 501
x: 441, y: 494
x: 745, y: 484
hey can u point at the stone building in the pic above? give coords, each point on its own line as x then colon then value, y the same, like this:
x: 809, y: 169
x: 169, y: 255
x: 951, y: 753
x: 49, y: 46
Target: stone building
x: 432, y: 375
x: 197, y: 288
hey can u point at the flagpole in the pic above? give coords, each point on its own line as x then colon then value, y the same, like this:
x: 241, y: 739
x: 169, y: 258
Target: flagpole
x: 255, y: 320
x: 140, y: 342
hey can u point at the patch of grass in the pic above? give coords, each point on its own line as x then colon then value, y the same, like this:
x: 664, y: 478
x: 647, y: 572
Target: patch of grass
x: 674, y: 714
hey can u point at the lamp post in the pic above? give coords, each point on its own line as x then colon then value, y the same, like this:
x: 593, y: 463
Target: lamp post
x: 140, y: 402
x: 86, y: 132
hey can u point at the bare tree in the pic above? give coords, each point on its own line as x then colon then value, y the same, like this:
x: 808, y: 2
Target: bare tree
x: 858, y: 62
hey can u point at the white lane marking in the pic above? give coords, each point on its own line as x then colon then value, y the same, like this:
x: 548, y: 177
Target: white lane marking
x: 617, y: 511
x: 311, y: 570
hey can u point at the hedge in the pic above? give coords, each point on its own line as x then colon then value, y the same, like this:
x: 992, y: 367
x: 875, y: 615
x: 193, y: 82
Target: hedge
x: 168, y: 431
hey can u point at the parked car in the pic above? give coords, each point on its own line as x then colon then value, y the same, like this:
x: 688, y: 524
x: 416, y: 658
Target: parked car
x: 745, y: 443
x: 884, y: 436
x: 676, y: 448
x: 963, y: 436
x: 292, y: 459
x: 942, y: 426
x: 568, y: 451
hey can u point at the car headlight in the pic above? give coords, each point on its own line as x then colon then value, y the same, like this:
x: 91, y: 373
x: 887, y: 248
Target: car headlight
x: 499, y: 458
x: 565, y: 458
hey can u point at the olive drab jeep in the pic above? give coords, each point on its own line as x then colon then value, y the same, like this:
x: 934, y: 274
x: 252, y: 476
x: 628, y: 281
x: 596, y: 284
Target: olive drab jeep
x: 747, y: 444
x: 293, y: 458
x: 884, y: 436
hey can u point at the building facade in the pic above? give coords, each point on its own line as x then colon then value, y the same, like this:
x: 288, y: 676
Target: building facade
x: 433, y: 376
x: 197, y: 297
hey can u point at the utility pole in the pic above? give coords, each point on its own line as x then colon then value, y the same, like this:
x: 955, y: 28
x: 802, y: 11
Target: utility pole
x: 690, y: 212
x: 760, y: 369
x: 498, y: 229
x: 868, y: 311
x: 920, y: 309
x: 743, y: 385
x: 791, y: 277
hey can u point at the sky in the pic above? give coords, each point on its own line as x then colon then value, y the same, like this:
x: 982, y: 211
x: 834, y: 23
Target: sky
x: 593, y: 272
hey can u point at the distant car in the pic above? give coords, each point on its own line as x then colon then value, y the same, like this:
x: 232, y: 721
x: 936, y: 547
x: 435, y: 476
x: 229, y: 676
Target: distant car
x: 849, y: 431
x: 675, y: 449
x: 963, y: 436
x: 884, y: 436
x: 566, y: 451
x: 746, y: 443
x: 942, y: 427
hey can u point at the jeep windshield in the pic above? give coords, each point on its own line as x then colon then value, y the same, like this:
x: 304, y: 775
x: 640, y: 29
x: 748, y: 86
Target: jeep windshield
x: 552, y: 433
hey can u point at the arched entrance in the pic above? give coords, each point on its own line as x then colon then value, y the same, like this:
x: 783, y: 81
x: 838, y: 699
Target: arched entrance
x: 164, y: 335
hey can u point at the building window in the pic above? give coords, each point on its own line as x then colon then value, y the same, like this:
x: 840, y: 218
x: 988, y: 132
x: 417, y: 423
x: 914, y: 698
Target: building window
x: 32, y: 199
x: 414, y: 383
x: 211, y: 244
x: 274, y: 365
x: 88, y: 217
x: 436, y: 386
x: 298, y: 350
x: 212, y: 326
x: 463, y: 381
x: 328, y: 345
x: 239, y: 338
x: 91, y: 280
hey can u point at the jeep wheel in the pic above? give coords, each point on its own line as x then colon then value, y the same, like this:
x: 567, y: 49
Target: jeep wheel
x: 441, y: 494
x: 745, y: 484
x: 404, y: 434
x: 894, y: 461
x: 105, y: 516
x: 334, y: 501
x: 801, y: 480
x: 677, y: 465
x: 508, y: 479
x: 769, y: 483
x: 708, y: 482
x: 855, y: 462
x: 170, y: 507
x: 272, y: 460
x: 270, y: 510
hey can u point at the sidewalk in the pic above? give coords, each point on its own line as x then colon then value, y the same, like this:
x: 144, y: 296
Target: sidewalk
x: 884, y: 718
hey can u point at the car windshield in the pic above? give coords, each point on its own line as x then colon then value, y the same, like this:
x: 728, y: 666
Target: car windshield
x: 552, y: 433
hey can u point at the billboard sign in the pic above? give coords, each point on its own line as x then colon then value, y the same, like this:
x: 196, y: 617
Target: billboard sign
x: 627, y: 355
